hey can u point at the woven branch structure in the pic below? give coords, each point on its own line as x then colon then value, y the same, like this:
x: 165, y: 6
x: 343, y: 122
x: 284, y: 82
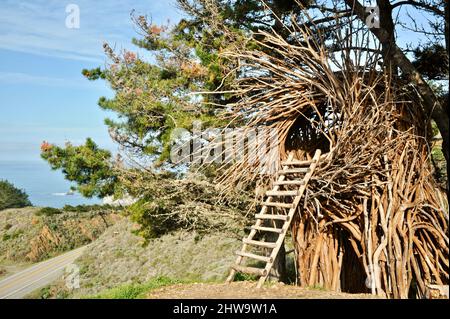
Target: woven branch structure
x: 373, y: 218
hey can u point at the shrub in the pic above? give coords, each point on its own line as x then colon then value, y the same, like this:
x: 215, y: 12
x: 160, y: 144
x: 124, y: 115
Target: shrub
x: 152, y: 216
x: 14, y: 235
x: 48, y: 211
x: 169, y: 204
x: 87, y: 208
x: 245, y: 277
x: 12, y: 197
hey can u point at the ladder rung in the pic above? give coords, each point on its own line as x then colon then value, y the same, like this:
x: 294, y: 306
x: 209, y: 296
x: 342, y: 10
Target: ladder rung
x: 295, y: 182
x: 272, y: 216
x: 253, y: 256
x: 276, y: 204
x: 295, y: 170
x: 298, y: 163
x: 259, y: 243
x: 282, y: 193
x: 269, y: 229
x: 250, y: 270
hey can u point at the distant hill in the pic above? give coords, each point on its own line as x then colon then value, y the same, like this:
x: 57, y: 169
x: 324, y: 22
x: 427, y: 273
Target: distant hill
x: 28, y: 236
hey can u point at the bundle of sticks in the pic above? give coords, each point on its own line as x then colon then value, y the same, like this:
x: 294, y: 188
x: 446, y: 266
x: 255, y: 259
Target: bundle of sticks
x: 373, y: 218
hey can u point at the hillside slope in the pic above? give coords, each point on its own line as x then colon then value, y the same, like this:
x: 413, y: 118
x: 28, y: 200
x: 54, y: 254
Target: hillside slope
x: 26, y: 237
x: 118, y: 257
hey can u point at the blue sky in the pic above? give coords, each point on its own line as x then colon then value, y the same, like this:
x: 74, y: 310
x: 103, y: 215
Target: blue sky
x: 43, y: 95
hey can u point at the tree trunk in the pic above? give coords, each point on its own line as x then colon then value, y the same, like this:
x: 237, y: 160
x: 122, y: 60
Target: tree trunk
x: 447, y: 28
x: 385, y: 16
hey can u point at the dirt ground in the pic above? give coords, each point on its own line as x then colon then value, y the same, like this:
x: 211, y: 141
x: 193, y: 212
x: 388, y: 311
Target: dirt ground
x: 246, y: 290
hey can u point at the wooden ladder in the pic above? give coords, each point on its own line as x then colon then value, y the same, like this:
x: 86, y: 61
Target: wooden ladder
x: 288, y: 198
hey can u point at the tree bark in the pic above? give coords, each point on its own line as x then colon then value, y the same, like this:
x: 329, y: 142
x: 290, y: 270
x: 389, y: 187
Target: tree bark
x: 447, y: 28
x: 432, y: 106
x: 385, y: 16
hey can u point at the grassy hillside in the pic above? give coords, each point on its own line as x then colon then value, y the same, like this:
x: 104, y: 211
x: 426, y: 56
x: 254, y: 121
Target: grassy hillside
x: 118, y: 260
x: 27, y: 236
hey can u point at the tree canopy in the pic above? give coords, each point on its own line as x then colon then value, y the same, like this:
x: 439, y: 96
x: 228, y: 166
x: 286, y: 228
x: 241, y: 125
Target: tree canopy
x: 154, y: 97
x: 12, y: 197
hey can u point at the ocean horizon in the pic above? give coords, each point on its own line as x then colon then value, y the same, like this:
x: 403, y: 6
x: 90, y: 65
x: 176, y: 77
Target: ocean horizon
x: 44, y: 186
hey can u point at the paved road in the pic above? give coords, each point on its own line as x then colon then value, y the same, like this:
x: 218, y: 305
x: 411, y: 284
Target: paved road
x: 22, y: 283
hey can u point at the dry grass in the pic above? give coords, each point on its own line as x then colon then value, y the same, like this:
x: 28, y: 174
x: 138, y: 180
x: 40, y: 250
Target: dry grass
x: 25, y: 237
x: 119, y: 258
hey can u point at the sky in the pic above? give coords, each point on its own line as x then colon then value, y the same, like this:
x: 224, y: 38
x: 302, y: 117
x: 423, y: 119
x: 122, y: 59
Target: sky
x: 43, y: 95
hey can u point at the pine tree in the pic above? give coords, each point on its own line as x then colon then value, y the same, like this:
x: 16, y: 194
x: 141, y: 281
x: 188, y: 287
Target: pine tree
x: 12, y: 197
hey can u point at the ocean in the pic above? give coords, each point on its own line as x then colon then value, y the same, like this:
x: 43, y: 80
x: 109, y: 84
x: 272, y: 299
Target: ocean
x: 43, y: 186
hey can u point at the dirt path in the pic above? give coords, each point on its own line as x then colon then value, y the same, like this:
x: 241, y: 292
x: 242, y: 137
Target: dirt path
x: 246, y: 290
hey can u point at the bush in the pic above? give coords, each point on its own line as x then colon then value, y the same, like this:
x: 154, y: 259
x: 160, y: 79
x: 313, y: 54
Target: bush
x: 88, y: 208
x: 12, y: 236
x: 152, y: 216
x: 48, y: 211
x: 11, y: 197
x: 169, y: 204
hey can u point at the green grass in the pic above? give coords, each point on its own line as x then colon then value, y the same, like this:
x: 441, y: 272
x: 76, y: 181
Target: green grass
x: 245, y: 277
x: 135, y: 291
x: 437, y: 154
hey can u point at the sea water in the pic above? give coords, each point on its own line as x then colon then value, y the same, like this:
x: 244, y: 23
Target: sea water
x: 44, y: 186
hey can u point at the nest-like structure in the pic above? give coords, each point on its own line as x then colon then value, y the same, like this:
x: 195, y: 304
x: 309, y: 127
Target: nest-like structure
x: 373, y: 219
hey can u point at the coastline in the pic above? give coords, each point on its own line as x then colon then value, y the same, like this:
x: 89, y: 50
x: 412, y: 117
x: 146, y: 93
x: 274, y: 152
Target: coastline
x: 44, y: 186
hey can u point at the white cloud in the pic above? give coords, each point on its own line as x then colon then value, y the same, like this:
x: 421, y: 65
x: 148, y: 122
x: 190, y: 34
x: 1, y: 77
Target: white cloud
x: 24, y: 78
x: 38, y: 26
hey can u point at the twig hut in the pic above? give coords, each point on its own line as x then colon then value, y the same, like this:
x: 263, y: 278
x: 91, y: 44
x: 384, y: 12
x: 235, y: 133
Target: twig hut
x: 373, y: 218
